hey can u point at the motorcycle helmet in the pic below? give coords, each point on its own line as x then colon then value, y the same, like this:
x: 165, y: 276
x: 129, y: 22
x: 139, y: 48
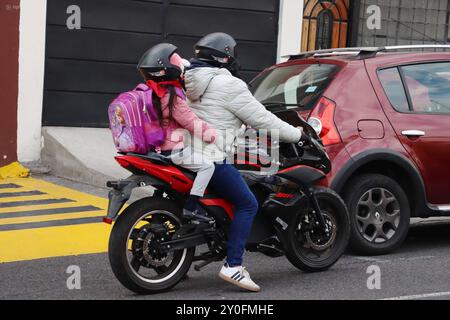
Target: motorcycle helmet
x: 161, y: 63
x: 218, y: 49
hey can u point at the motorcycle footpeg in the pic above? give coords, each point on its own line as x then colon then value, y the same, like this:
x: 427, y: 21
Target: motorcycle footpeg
x: 198, y: 220
x: 200, y: 266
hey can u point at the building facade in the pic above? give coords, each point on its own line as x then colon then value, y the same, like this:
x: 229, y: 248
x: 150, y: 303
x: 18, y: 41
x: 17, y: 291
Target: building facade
x: 341, y: 23
x: 9, y: 66
x: 404, y: 23
x: 66, y: 76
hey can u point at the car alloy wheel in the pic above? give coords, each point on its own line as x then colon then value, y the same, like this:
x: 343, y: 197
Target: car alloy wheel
x: 378, y: 215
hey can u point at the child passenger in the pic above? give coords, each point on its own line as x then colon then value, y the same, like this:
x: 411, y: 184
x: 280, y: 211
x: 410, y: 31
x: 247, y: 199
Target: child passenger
x: 163, y: 71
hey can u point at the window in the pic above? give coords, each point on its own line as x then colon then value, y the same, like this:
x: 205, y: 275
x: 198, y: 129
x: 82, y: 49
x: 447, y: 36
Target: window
x: 429, y: 87
x: 325, y: 23
x: 393, y: 86
x: 301, y: 84
x: 324, y: 30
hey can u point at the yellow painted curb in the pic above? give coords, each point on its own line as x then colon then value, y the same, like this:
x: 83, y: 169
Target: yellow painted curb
x: 14, y: 170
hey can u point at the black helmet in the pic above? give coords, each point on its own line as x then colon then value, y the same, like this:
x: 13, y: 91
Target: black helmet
x: 217, y: 48
x: 155, y: 64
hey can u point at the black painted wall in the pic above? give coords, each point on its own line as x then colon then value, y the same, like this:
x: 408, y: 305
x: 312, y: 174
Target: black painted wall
x: 86, y: 68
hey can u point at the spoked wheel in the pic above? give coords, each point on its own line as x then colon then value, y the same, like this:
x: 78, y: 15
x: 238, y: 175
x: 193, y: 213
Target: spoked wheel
x: 133, y: 247
x: 312, y: 249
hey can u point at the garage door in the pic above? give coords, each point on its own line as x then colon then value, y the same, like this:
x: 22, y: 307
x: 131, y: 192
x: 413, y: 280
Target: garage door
x: 86, y: 68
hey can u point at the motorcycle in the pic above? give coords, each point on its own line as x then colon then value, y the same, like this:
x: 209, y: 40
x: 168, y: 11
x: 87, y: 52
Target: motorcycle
x: 151, y: 248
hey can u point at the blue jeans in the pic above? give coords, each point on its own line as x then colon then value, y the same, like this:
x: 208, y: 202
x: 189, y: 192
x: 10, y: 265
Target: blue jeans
x: 228, y: 183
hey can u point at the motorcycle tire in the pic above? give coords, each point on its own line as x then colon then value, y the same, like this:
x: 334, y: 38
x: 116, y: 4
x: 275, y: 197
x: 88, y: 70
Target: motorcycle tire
x: 119, y: 247
x: 331, y: 204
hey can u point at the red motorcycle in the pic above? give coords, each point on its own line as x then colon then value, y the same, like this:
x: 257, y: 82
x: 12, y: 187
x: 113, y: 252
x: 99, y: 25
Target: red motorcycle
x: 151, y: 248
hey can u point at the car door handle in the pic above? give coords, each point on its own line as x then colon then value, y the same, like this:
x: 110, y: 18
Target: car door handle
x: 413, y: 133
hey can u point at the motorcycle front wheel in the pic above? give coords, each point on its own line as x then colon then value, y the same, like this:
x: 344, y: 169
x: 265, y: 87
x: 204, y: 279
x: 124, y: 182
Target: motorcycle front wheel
x: 133, y: 252
x: 309, y: 248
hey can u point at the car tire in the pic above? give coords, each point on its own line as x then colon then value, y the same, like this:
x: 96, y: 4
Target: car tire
x: 379, y: 214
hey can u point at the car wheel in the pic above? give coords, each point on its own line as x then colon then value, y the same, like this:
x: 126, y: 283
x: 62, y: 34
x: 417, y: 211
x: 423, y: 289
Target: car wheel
x: 379, y: 213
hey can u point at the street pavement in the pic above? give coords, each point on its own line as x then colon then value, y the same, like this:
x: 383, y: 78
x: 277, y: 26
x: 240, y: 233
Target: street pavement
x: 37, y: 248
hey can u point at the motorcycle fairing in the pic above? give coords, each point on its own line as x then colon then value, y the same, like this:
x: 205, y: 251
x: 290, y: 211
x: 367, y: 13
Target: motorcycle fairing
x: 169, y: 174
x: 302, y: 175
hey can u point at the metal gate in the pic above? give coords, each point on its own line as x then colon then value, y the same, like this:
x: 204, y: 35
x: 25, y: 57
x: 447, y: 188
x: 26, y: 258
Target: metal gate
x: 86, y: 68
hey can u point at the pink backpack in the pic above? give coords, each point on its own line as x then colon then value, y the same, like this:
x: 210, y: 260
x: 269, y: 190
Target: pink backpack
x: 134, y: 122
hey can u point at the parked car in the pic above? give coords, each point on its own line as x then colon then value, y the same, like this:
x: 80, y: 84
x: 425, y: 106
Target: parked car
x: 384, y: 118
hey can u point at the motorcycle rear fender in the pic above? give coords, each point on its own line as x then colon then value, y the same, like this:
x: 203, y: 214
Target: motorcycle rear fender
x: 121, y: 193
x: 180, y: 181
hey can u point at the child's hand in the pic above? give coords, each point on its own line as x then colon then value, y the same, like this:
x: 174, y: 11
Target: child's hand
x: 210, y: 135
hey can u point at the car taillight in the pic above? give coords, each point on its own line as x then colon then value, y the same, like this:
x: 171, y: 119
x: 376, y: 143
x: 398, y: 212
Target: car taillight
x: 123, y: 163
x: 322, y: 121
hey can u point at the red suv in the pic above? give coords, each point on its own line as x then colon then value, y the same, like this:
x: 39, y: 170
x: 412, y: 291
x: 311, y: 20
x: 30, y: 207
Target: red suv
x: 384, y: 118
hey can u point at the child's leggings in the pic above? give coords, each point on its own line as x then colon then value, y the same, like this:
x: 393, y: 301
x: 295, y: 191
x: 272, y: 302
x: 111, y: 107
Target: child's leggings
x: 195, y: 162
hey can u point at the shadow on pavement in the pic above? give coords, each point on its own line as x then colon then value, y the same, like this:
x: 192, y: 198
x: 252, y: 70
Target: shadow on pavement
x: 431, y: 235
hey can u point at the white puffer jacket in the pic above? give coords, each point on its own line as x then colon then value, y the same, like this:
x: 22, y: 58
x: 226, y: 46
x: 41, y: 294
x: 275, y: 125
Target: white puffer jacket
x: 225, y: 102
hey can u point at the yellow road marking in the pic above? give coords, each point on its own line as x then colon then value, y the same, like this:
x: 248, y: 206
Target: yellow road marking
x: 24, y: 198
x: 45, y: 242
x: 57, y: 191
x: 53, y: 242
x: 21, y: 189
x: 52, y: 217
x: 4, y: 211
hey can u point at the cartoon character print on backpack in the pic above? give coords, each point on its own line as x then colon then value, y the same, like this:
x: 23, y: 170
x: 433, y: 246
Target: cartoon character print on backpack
x: 121, y: 133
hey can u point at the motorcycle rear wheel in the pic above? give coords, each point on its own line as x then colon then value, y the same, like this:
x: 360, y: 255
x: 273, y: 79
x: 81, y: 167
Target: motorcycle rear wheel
x: 312, y: 253
x: 131, y: 237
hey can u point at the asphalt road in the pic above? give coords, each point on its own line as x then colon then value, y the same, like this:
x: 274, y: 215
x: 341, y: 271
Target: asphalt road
x: 419, y: 270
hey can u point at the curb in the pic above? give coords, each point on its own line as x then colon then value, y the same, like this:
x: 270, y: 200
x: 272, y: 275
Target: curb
x: 14, y: 170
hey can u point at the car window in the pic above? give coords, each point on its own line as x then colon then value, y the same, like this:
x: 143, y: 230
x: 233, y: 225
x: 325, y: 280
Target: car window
x: 393, y: 86
x: 428, y: 86
x: 301, y: 84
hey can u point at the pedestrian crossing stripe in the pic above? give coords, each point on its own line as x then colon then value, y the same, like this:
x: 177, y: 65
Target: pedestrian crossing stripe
x: 52, y: 217
x: 39, y: 219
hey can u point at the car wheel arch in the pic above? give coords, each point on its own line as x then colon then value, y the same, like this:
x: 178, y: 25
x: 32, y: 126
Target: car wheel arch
x: 392, y: 164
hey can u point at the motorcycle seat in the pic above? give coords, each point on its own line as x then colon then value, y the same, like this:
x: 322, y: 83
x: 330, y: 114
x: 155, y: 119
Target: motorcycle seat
x: 163, y: 160
x: 153, y: 156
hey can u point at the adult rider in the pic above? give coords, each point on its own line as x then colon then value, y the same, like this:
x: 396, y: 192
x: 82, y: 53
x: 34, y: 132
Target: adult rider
x: 223, y: 100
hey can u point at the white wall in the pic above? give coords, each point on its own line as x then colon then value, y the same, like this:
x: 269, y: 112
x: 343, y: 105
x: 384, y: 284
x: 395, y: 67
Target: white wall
x: 290, y: 27
x: 31, y: 78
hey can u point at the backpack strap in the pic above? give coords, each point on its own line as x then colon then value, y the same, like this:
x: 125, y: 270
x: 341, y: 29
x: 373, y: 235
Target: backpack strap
x: 148, y: 102
x: 141, y: 87
x: 180, y: 93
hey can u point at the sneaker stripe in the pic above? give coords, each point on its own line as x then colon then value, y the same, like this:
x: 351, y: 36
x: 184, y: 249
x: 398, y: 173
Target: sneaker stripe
x: 241, y: 278
x: 237, y: 274
x: 248, y: 284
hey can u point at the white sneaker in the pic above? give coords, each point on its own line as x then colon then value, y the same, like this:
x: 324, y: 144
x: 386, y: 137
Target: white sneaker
x: 239, y: 277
